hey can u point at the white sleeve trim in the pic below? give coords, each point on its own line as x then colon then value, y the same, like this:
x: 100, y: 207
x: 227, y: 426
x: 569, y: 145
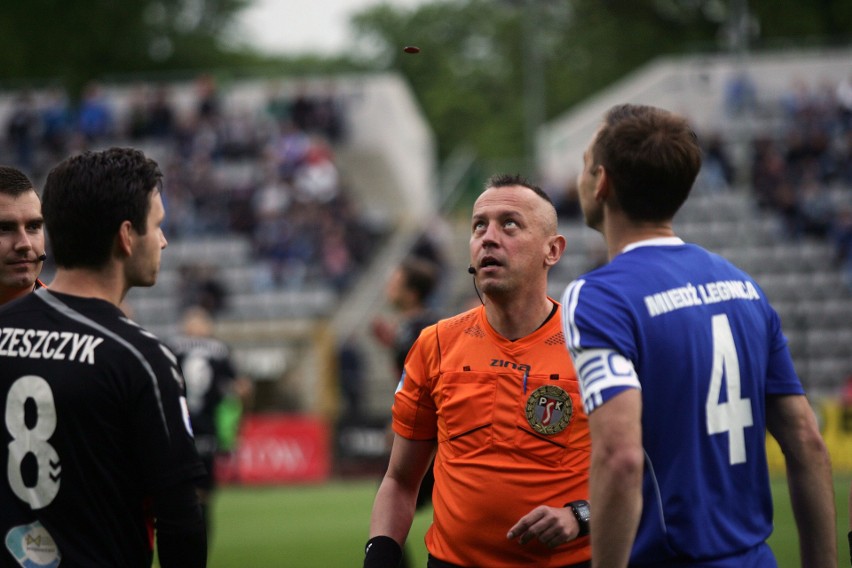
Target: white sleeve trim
x: 569, y: 303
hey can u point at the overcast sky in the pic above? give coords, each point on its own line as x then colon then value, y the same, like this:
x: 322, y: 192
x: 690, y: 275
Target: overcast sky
x: 298, y: 26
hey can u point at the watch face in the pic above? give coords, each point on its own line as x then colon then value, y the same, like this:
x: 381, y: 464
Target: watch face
x: 582, y: 510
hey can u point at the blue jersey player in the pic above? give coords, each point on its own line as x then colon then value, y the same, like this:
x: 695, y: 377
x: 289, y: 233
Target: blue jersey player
x: 683, y: 368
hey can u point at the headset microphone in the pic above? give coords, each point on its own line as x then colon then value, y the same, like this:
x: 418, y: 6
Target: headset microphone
x: 42, y: 257
x: 472, y: 270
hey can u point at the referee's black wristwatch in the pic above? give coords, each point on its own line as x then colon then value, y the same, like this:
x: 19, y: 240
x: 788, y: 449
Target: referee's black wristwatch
x: 582, y: 513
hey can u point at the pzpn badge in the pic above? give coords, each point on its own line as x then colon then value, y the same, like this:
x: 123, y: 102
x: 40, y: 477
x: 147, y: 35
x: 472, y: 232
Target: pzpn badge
x: 549, y: 410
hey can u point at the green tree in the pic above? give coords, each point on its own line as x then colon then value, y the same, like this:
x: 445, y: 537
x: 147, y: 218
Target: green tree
x: 479, y: 58
x: 466, y: 77
x: 483, y: 60
x: 74, y: 42
x: 489, y: 72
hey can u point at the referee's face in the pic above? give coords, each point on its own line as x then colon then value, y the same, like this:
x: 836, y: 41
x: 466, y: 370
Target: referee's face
x: 144, y: 266
x: 509, y: 240
x: 21, y: 242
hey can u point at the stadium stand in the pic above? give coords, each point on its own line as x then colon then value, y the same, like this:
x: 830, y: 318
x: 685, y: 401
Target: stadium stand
x: 774, y: 192
x: 279, y: 195
x: 292, y: 287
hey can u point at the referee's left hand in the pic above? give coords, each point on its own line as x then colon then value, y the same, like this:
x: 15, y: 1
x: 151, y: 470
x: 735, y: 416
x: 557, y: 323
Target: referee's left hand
x: 550, y: 525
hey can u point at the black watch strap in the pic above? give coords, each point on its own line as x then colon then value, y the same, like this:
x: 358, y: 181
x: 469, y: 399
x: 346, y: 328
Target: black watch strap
x: 582, y: 512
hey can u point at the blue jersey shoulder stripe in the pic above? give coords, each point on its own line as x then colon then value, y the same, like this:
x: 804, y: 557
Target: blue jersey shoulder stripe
x: 569, y: 304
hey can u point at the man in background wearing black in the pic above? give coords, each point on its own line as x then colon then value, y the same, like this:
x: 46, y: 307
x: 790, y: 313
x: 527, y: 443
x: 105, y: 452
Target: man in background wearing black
x: 210, y: 379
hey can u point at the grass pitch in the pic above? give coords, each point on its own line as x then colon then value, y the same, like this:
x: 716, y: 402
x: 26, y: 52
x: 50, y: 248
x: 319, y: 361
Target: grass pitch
x: 325, y: 526
x: 313, y: 526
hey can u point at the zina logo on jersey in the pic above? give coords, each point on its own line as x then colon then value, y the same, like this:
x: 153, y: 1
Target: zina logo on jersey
x: 510, y: 365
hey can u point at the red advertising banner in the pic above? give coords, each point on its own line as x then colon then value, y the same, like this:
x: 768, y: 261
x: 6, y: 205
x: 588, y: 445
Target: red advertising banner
x: 278, y: 448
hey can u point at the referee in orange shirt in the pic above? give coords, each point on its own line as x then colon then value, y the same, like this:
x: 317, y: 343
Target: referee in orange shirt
x: 492, y: 394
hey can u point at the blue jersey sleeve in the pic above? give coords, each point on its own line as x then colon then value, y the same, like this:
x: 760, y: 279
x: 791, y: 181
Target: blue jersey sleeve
x: 781, y: 377
x: 598, y: 332
x: 595, y: 318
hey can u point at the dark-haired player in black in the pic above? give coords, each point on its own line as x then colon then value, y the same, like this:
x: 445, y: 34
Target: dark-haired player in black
x: 210, y: 377
x: 95, y: 440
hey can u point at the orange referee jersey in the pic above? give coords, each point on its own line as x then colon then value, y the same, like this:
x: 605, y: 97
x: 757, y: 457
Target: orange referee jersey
x: 511, y: 431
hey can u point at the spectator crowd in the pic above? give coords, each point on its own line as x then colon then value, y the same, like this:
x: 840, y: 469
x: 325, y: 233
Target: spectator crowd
x: 802, y: 169
x: 799, y: 163
x: 268, y: 173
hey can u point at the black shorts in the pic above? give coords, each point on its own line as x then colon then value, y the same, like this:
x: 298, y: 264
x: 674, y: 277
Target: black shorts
x: 435, y: 563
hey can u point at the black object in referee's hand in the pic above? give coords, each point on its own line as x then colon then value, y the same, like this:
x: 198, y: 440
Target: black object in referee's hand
x: 849, y: 537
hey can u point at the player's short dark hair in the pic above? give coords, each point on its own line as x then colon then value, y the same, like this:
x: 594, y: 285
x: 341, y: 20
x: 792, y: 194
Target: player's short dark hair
x: 651, y: 156
x: 87, y: 197
x: 14, y: 182
x: 419, y: 275
x: 508, y: 180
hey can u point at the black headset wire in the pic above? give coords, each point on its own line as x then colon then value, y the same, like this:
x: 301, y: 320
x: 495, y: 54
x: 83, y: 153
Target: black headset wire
x: 476, y: 289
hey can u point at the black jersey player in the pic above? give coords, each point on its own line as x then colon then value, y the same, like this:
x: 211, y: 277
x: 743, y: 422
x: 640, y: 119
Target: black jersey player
x: 210, y: 377
x: 95, y: 442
